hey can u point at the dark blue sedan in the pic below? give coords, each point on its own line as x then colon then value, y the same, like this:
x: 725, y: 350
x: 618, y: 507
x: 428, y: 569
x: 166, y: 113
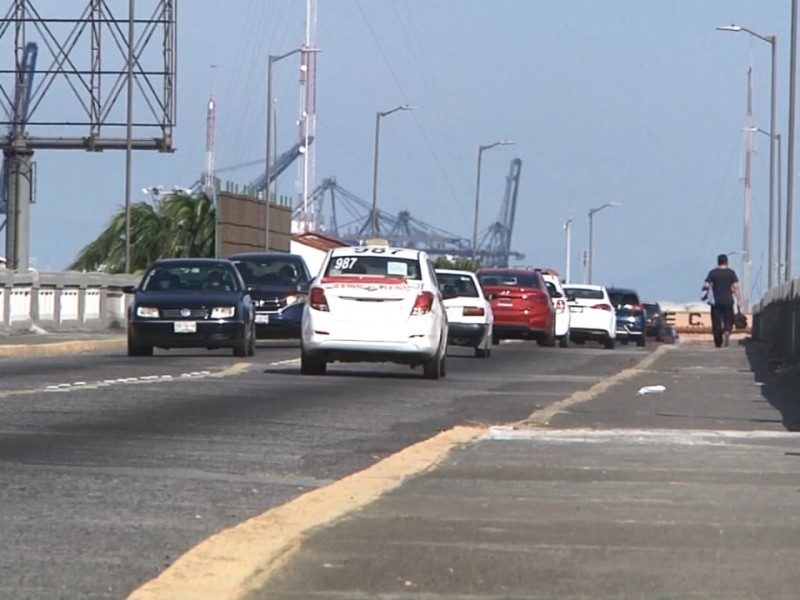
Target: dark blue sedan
x: 191, y: 303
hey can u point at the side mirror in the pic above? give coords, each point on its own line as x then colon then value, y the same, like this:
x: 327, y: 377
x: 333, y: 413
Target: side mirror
x: 129, y: 289
x: 556, y: 294
x: 303, y: 287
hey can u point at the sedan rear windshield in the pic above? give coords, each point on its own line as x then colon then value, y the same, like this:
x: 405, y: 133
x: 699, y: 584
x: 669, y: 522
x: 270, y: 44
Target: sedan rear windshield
x: 272, y: 271
x: 528, y: 280
x: 460, y: 285
x: 589, y: 294
x: 380, y: 266
x: 188, y: 278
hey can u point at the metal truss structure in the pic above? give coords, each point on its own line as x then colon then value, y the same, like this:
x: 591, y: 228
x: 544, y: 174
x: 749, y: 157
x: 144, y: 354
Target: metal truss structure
x: 74, y: 97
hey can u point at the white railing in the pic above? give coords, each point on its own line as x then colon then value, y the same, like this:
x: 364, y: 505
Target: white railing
x: 62, y: 301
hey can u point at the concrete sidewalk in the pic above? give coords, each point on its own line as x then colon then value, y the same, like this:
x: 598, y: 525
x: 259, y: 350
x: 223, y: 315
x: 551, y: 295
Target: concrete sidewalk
x: 688, y: 493
x: 25, y: 345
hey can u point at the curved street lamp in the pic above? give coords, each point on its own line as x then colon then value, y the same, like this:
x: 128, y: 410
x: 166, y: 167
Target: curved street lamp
x: 481, y: 149
x: 592, y: 211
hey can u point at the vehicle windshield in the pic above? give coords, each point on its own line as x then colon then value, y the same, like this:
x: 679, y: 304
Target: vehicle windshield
x: 462, y: 286
x: 277, y: 270
x: 529, y: 280
x: 623, y: 299
x: 378, y: 266
x: 191, y: 278
x: 651, y: 310
x: 588, y: 294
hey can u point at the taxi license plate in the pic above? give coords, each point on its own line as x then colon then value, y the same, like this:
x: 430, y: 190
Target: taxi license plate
x: 262, y: 319
x: 184, y: 327
x: 576, y: 309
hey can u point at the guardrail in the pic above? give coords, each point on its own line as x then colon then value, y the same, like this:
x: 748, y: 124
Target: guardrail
x: 776, y: 319
x: 62, y: 301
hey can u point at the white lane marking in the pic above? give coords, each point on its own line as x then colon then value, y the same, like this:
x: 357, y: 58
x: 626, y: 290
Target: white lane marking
x: 686, y: 437
x: 85, y: 385
x: 291, y: 361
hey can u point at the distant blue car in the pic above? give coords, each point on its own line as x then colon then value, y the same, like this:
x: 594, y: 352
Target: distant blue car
x: 278, y: 283
x: 631, y: 316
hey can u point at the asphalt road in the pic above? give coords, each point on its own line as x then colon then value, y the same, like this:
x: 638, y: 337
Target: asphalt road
x: 112, y: 467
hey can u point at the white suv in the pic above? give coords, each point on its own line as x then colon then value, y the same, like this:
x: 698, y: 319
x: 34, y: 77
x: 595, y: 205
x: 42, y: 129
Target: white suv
x: 375, y: 304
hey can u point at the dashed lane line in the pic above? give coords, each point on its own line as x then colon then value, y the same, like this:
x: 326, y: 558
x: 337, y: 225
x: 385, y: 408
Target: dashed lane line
x: 234, y: 369
x: 235, y: 562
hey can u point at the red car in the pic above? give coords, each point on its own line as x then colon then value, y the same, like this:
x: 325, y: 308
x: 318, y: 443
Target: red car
x: 521, y: 304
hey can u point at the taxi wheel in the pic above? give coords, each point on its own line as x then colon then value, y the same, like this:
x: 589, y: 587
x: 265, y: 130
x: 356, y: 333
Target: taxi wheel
x: 443, y: 366
x: 242, y: 347
x: 432, y: 369
x: 482, y: 352
x: 312, y: 366
x: 609, y: 343
x: 251, y: 347
x: 641, y: 342
x: 563, y: 341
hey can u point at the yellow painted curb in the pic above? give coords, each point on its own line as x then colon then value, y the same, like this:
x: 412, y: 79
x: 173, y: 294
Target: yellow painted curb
x: 542, y: 417
x: 241, y: 559
x: 61, y: 348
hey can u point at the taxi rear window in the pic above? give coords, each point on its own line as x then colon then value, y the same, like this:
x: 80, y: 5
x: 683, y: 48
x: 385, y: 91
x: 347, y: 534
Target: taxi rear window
x: 461, y: 285
x: 379, y: 266
x: 589, y: 294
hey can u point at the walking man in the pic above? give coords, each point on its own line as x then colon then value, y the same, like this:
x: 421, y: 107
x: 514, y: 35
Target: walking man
x: 724, y: 285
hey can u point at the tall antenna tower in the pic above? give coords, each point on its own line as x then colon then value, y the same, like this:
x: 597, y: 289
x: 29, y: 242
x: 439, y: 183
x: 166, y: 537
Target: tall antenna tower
x: 308, y: 116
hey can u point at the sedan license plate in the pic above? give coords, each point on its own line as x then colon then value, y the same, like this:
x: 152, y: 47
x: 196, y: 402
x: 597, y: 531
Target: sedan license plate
x: 185, y: 327
x: 576, y: 309
x: 262, y: 319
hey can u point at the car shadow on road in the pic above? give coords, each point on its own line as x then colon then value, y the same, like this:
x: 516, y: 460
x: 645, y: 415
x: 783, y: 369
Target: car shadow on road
x: 344, y: 373
x: 780, y: 386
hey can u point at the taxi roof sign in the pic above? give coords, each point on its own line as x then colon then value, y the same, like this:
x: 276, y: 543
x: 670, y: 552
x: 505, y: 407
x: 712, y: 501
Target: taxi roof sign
x: 376, y: 242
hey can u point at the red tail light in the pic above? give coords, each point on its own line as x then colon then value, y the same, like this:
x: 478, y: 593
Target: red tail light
x: 541, y: 298
x: 637, y: 309
x: 317, y: 299
x: 602, y: 307
x: 470, y: 311
x: 423, y: 304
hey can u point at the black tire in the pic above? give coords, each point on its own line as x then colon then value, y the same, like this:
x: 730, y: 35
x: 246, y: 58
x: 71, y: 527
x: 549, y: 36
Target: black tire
x: 135, y: 349
x: 549, y: 341
x: 495, y: 340
x: 251, y: 347
x: 241, y: 348
x: 609, y: 343
x: 641, y: 342
x: 432, y: 368
x: 443, y: 366
x: 563, y: 341
x: 579, y: 342
x: 482, y: 353
x: 312, y: 366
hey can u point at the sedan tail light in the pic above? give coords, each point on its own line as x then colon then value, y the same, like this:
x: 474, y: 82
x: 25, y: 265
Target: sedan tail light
x: 602, y: 307
x: 317, y: 299
x: 423, y: 304
x: 470, y: 311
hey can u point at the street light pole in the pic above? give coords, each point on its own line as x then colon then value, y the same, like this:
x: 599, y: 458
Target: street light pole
x: 568, y: 228
x: 790, y: 143
x: 271, y: 60
x: 374, y: 214
x: 481, y: 149
x: 773, y: 42
x: 591, y: 232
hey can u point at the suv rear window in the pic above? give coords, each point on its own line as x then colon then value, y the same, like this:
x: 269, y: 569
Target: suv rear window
x: 530, y: 280
x: 463, y: 285
x: 584, y: 293
x: 623, y: 298
x: 380, y: 266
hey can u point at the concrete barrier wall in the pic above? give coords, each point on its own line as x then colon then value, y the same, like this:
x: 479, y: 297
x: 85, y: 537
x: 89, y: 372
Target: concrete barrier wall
x: 776, y: 320
x: 62, y: 301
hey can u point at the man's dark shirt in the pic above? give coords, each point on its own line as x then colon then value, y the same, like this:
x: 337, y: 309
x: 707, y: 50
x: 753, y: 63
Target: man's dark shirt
x: 722, y: 281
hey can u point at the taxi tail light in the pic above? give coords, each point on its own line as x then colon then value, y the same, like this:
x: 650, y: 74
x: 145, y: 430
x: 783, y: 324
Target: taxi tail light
x: 423, y: 304
x: 317, y: 299
x: 471, y: 311
x: 602, y: 307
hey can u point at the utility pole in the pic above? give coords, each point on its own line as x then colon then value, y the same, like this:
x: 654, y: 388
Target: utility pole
x: 568, y: 273
x: 747, y: 194
x: 790, y: 143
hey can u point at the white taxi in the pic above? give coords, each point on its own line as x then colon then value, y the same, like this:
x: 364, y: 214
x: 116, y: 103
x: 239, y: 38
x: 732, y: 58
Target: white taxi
x: 374, y: 303
x: 559, y: 299
x: 469, y: 313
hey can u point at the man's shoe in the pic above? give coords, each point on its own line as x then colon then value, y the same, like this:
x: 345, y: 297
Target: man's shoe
x: 726, y: 339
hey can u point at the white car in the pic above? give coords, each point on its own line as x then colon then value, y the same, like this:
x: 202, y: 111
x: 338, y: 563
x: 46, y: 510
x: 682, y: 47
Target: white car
x: 374, y: 303
x: 562, y: 313
x: 592, y: 316
x: 469, y: 313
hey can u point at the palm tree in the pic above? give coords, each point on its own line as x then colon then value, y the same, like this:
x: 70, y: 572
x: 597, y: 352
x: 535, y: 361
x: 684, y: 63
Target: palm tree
x: 177, y: 226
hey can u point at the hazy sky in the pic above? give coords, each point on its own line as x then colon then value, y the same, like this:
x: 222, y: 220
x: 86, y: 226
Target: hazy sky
x: 639, y: 102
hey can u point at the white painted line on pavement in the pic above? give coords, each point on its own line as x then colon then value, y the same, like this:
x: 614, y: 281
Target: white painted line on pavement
x: 689, y: 437
x: 291, y: 361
